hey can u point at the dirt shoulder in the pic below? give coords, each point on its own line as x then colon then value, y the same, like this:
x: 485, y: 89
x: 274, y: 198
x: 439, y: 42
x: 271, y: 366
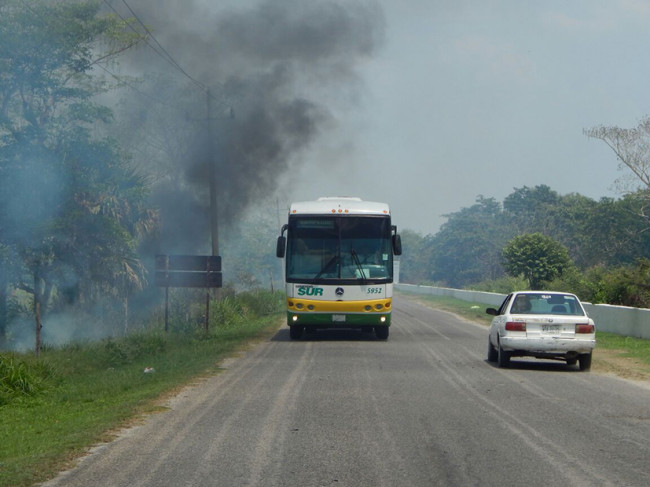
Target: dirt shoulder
x: 611, y: 362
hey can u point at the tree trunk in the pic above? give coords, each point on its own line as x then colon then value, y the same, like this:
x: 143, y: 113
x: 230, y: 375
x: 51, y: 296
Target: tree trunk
x: 39, y: 296
x: 39, y: 324
x: 4, y: 298
x: 125, y: 307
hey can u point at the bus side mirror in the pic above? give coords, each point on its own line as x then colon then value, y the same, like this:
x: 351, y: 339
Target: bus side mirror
x: 397, y: 244
x: 282, y: 243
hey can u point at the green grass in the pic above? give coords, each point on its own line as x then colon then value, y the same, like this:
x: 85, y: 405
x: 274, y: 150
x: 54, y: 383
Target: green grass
x: 54, y: 407
x: 636, y: 348
x: 630, y: 347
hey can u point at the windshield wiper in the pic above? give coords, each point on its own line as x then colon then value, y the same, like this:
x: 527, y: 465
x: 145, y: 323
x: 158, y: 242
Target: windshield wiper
x: 355, y: 258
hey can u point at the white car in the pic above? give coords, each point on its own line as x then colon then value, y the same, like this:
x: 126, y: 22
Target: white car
x: 541, y: 324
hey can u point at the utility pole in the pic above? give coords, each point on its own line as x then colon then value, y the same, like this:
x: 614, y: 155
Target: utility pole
x: 214, y: 218
x: 214, y: 221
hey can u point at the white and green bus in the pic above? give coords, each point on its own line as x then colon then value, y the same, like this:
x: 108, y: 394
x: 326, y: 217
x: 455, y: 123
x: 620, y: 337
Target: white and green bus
x: 339, y: 265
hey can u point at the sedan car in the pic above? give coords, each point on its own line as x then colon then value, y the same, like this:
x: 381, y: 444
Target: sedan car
x: 541, y: 324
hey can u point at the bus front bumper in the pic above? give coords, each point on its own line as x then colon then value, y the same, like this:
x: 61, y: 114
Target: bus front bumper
x: 338, y: 320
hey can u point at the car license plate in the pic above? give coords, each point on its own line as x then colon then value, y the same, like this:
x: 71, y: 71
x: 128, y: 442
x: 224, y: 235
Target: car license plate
x: 551, y: 329
x: 338, y: 318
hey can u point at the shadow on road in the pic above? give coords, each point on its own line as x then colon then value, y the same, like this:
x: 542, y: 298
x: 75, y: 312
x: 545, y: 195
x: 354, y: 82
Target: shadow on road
x: 350, y: 335
x: 538, y: 365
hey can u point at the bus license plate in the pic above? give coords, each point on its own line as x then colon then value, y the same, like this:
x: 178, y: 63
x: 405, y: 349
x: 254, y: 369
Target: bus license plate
x: 338, y: 318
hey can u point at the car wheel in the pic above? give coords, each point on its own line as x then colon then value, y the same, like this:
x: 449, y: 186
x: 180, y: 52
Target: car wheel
x: 493, y: 355
x: 503, y: 357
x: 295, y: 332
x: 585, y: 361
x: 381, y: 332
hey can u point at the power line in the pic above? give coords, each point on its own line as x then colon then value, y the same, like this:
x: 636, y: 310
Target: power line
x: 126, y: 22
x: 121, y: 80
x: 169, y: 57
x: 164, y: 55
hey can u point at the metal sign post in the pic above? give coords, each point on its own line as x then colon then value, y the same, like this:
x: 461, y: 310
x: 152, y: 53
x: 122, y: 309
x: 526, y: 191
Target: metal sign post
x: 201, y: 271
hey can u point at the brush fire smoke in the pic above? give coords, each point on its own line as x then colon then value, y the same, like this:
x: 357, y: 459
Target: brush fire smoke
x: 272, y: 68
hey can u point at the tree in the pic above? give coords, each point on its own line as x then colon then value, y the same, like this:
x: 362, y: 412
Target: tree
x: 250, y: 247
x: 415, y: 261
x: 467, y: 247
x: 631, y: 146
x: 537, y: 257
x: 527, y: 208
x: 61, y: 191
x: 632, y: 149
x: 613, y: 233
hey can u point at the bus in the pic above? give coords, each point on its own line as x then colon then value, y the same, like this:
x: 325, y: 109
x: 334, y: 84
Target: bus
x: 338, y: 261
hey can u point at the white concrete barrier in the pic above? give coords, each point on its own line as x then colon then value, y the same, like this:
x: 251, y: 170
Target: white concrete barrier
x: 621, y: 320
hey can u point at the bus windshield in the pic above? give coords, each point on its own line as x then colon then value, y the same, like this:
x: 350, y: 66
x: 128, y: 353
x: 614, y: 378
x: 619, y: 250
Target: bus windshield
x: 339, y: 248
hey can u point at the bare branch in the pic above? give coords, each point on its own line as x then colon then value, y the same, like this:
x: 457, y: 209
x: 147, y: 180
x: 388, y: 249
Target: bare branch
x: 631, y: 146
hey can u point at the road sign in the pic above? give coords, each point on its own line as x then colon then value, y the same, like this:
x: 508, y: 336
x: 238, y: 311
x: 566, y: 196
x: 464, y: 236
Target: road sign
x: 202, y: 271
x: 188, y: 279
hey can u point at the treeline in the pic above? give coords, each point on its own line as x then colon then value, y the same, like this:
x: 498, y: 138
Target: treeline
x: 606, y: 243
x: 72, y: 209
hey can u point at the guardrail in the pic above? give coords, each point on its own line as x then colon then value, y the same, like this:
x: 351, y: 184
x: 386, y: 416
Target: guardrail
x: 621, y: 320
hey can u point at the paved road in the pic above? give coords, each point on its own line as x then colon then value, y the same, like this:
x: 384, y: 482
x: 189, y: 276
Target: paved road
x: 421, y: 409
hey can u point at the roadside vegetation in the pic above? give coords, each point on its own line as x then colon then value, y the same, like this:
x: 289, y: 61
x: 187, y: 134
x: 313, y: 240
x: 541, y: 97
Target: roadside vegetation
x: 538, y: 239
x: 52, y: 408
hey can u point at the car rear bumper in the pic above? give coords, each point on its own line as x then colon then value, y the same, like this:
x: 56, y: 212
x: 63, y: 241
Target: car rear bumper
x: 548, y: 345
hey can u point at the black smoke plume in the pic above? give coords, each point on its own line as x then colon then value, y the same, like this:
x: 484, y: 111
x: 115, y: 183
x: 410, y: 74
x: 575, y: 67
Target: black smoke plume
x: 271, y: 67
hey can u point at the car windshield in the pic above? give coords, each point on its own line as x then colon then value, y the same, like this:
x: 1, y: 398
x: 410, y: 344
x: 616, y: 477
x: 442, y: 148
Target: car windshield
x: 546, y: 304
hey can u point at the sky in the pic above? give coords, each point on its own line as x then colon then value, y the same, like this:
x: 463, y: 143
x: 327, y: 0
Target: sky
x: 423, y: 104
x: 470, y: 98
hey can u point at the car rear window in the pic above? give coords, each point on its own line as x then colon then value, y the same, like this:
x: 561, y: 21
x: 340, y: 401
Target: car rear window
x: 546, y: 304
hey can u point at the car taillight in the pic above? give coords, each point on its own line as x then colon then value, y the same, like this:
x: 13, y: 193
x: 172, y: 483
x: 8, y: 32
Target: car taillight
x: 584, y: 328
x: 515, y: 326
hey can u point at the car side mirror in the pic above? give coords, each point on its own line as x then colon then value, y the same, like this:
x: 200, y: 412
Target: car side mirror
x: 492, y: 311
x: 281, y: 245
